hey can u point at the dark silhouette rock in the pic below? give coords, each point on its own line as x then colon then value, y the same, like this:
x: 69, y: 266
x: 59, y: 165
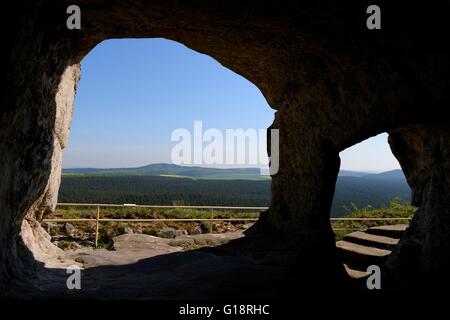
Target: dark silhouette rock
x: 424, y: 153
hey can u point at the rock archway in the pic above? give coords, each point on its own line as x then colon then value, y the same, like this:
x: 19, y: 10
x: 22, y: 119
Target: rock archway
x: 333, y: 83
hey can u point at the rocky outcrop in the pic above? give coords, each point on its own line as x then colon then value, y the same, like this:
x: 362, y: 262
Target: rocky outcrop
x: 38, y: 241
x: 64, y: 100
x: 424, y: 154
x: 333, y: 83
x: 33, y: 236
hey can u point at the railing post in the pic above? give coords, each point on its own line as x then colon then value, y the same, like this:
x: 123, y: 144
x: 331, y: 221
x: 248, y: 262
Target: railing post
x: 210, y: 222
x: 97, y: 221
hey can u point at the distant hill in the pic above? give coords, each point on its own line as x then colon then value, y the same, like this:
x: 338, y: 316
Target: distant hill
x: 348, y: 173
x: 393, y: 175
x: 194, y: 172
x: 371, y: 189
x: 167, y: 184
x: 165, y: 169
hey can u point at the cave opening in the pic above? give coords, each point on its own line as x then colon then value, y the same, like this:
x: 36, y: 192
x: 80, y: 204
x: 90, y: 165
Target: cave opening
x: 331, y: 87
x: 371, y: 206
x: 118, y: 168
x: 370, y: 175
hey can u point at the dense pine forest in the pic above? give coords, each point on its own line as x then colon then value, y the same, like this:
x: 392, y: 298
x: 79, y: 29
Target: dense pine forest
x: 163, y: 190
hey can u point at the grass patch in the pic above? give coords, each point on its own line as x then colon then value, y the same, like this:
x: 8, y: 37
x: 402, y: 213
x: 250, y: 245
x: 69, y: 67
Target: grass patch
x: 73, y: 212
x: 396, y: 209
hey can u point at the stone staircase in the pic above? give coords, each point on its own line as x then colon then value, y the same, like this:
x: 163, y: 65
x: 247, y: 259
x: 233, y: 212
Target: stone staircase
x: 361, y: 249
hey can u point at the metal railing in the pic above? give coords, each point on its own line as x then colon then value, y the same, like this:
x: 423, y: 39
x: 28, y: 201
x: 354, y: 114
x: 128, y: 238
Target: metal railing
x: 98, y: 220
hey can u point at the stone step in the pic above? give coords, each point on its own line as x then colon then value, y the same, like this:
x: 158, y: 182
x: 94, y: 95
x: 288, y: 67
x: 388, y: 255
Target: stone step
x: 393, y: 231
x: 359, y: 257
x: 371, y: 240
x: 355, y: 274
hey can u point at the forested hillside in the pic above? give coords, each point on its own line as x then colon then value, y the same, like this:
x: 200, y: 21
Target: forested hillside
x: 163, y: 190
x: 93, y: 186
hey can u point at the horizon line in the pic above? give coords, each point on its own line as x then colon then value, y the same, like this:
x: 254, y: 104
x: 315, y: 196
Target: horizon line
x: 212, y: 167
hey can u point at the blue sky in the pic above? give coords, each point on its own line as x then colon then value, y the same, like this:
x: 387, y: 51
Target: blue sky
x: 134, y: 92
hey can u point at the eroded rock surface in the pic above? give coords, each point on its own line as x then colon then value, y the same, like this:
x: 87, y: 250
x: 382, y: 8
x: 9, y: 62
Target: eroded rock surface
x: 147, y: 267
x: 130, y: 248
x: 424, y: 154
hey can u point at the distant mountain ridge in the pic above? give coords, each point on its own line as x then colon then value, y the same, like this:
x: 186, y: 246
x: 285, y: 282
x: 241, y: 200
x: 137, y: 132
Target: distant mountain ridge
x: 350, y: 173
x: 394, y: 175
x: 159, y: 169
x: 202, y: 172
x: 375, y: 189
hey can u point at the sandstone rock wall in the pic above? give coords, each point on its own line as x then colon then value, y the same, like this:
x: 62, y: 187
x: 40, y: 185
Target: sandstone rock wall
x: 424, y: 250
x: 64, y: 100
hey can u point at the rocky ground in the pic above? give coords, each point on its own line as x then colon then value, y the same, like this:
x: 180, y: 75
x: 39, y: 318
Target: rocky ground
x: 147, y: 267
x: 177, y: 265
x: 130, y: 248
x: 79, y: 235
